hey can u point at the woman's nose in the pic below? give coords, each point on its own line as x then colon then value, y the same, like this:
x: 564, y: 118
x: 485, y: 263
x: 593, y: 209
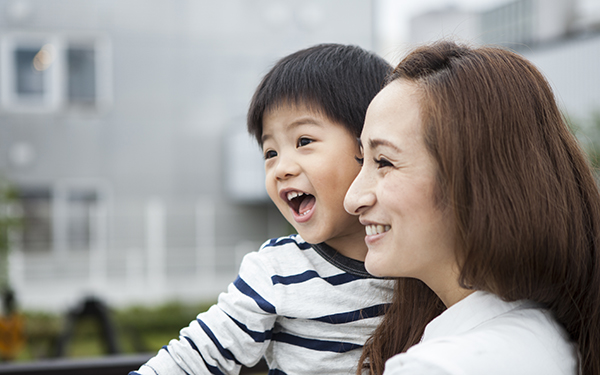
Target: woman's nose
x: 360, y: 195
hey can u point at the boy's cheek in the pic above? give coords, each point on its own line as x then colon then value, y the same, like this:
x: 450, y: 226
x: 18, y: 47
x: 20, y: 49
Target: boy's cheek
x: 281, y: 206
x: 271, y: 187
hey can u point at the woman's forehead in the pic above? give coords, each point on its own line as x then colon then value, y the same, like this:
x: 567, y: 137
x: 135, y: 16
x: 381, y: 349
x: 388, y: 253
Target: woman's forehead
x: 393, y: 116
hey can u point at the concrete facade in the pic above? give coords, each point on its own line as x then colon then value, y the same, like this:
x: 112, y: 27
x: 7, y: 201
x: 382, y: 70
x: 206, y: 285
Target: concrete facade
x: 133, y: 180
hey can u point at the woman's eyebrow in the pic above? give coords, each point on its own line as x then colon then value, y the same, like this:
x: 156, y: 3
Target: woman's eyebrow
x: 374, y: 143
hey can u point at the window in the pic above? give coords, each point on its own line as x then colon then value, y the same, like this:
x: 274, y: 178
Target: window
x: 81, y: 65
x: 29, y: 71
x: 41, y: 72
x: 81, y: 208
x: 63, y: 219
x: 30, y: 81
x: 36, y: 230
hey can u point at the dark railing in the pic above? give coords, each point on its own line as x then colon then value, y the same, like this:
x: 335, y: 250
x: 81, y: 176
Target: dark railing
x: 110, y: 365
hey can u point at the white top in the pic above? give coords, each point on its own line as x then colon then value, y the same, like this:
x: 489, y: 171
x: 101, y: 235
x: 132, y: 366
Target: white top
x: 482, y: 334
x: 306, y: 308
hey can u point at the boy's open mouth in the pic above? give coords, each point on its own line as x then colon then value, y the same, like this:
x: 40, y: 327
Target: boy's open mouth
x: 300, y: 202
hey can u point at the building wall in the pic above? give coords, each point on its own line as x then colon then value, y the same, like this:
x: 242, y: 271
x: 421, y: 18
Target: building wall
x: 560, y: 36
x: 445, y: 23
x: 158, y: 150
x: 571, y: 68
x: 517, y: 24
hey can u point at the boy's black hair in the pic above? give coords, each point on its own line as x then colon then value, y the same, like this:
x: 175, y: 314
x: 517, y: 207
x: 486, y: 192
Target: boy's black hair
x: 338, y: 81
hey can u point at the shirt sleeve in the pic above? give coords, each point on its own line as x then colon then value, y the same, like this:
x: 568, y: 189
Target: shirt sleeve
x: 234, y: 332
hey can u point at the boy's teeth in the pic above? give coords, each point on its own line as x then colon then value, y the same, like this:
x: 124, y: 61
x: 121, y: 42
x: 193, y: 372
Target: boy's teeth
x: 376, y: 229
x: 293, y: 194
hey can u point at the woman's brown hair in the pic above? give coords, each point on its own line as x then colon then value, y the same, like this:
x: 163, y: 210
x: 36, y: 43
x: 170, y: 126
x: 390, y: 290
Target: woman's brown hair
x: 526, y: 205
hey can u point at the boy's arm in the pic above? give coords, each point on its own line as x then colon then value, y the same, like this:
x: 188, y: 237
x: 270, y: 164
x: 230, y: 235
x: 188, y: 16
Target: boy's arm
x: 234, y: 332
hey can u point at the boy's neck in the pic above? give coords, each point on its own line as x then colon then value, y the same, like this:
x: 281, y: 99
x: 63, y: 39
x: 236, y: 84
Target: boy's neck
x: 352, y: 247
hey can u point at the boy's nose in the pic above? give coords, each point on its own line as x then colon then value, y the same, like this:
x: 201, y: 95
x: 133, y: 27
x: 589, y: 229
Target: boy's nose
x: 359, y: 196
x: 286, y: 168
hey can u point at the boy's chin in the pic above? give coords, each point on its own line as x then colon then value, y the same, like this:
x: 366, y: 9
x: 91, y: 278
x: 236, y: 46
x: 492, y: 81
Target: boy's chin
x: 310, y: 237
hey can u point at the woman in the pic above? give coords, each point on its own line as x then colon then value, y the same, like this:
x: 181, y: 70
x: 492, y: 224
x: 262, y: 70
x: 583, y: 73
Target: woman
x: 476, y: 195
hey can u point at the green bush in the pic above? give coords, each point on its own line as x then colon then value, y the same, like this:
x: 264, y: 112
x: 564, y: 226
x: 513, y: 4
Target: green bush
x: 42, y: 330
x: 140, y: 329
x: 147, y: 329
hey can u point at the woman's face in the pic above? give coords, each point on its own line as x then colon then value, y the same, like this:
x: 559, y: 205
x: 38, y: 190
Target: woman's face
x: 407, y: 234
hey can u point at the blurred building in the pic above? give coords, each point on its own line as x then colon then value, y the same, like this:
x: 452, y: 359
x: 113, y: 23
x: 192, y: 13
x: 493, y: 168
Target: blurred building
x: 122, y: 124
x: 444, y: 22
x: 513, y: 23
x: 562, y: 37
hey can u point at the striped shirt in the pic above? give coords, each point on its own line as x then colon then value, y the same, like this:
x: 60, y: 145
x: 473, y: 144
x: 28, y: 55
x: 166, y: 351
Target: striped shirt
x: 305, y: 308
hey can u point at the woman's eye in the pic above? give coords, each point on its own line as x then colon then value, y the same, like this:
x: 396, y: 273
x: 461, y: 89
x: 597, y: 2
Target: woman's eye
x: 360, y: 161
x: 270, y: 154
x: 303, y: 141
x: 382, y: 163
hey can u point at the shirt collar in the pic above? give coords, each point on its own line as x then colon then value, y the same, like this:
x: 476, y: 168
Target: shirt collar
x: 468, y: 313
x: 352, y: 266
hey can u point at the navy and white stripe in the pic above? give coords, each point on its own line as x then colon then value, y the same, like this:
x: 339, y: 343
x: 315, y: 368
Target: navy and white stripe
x: 291, y: 303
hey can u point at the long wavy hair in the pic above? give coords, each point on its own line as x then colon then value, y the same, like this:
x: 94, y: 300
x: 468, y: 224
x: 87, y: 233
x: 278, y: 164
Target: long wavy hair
x: 524, y: 198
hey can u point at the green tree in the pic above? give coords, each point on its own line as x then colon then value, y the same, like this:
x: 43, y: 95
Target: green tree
x: 588, y: 133
x: 8, y: 221
x: 12, y: 333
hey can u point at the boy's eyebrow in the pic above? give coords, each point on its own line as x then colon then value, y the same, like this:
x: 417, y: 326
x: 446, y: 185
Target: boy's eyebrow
x: 374, y: 143
x: 291, y: 125
x: 304, y: 121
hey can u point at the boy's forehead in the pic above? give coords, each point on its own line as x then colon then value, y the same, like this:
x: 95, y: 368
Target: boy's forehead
x: 297, y: 112
x: 286, y: 118
x: 294, y: 106
x: 291, y: 116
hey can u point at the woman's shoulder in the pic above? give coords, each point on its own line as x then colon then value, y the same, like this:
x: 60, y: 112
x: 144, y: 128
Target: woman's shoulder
x: 487, y: 352
x: 497, y: 338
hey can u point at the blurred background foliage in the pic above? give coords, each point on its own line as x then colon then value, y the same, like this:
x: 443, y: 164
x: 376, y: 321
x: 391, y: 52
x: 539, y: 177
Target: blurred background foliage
x: 141, y: 329
x: 588, y: 133
x: 9, y: 220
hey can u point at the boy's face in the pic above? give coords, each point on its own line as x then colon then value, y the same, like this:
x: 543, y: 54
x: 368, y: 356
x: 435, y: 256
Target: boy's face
x: 310, y: 163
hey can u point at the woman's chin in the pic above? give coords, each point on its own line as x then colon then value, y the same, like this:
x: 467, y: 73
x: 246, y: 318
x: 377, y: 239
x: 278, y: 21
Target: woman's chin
x: 374, y: 268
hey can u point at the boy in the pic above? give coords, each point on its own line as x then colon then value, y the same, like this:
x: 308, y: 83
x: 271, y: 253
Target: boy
x: 304, y: 302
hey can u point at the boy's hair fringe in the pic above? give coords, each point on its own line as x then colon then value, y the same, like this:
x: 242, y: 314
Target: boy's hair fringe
x: 337, y: 81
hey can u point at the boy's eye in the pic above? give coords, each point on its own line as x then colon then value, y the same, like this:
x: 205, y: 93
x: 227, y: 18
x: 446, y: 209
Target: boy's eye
x: 360, y: 161
x: 303, y: 141
x: 270, y: 154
